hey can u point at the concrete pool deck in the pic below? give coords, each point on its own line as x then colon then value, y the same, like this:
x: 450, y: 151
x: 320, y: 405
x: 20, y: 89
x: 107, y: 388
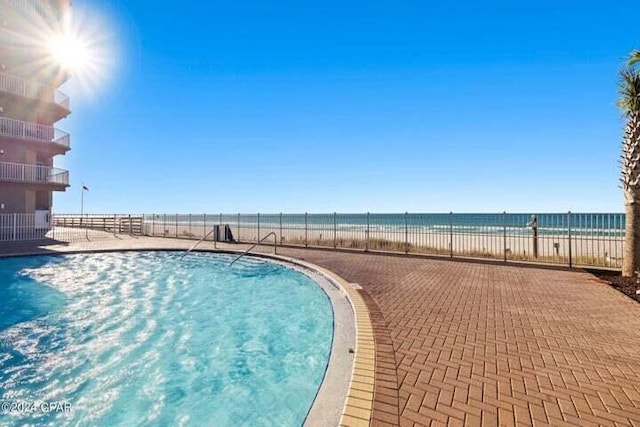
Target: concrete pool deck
x: 460, y: 343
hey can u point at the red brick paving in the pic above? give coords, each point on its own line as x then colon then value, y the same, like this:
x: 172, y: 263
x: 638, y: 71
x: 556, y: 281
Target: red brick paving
x: 479, y: 344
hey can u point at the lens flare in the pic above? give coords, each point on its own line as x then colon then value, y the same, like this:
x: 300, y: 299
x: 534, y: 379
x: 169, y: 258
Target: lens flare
x: 83, y: 47
x: 70, y: 52
x: 77, y: 42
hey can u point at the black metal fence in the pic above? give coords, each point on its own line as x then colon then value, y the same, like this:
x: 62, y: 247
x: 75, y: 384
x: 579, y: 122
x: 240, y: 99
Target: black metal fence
x: 574, y: 239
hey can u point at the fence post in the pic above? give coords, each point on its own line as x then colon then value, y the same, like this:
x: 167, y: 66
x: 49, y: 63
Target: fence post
x: 189, y: 225
x: 258, y: 227
x: 15, y: 221
x: 280, y: 228
x: 204, y: 225
x: 366, y: 242
x: 130, y: 225
x: 238, y: 238
x: 216, y: 236
x: 451, y: 234
x: 335, y: 231
x: 220, y: 231
x: 176, y: 226
x: 114, y: 224
x: 569, y: 227
x: 406, y: 232
x: 306, y: 230
x: 534, y: 226
x: 504, y: 234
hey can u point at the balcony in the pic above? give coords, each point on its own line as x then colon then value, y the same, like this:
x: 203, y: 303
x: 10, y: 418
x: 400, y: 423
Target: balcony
x: 45, y: 8
x: 34, y: 132
x: 33, y: 174
x: 33, y: 90
x: 19, y: 42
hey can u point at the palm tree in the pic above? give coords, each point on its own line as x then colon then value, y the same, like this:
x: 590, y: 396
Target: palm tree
x: 629, y: 104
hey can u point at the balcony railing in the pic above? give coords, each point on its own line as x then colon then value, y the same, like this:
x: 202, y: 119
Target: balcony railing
x: 33, y: 131
x: 44, y: 8
x: 7, y: 38
x: 14, y: 40
x: 31, y: 89
x: 20, y: 172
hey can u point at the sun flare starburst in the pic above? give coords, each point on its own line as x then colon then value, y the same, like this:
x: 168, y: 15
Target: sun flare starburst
x: 78, y: 42
x: 71, y: 53
x: 82, y: 47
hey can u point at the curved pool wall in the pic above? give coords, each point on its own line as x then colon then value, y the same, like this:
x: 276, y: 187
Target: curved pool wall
x: 74, y: 338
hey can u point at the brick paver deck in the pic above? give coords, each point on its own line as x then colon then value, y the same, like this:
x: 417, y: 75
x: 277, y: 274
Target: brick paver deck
x: 479, y: 344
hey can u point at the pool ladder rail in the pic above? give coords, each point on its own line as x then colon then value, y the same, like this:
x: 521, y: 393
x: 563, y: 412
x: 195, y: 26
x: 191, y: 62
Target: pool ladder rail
x: 275, y: 246
x: 200, y: 241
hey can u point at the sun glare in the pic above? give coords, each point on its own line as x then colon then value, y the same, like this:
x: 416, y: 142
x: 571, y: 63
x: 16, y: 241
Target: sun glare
x: 71, y: 53
x: 84, y: 43
x: 83, y: 46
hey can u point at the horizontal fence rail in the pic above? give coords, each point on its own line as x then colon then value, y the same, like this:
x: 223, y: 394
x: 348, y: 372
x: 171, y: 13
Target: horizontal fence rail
x: 33, y: 131
x: 31, y: 89
x: 572, y: 239
x: 38, y: 174
x: 67, y: 228
x: 118, y: 224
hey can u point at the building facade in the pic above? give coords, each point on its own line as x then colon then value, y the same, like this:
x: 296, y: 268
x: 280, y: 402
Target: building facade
x: 30, y: 106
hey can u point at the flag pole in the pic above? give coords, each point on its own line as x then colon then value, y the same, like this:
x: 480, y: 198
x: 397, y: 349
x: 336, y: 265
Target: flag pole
x: 82, y: 190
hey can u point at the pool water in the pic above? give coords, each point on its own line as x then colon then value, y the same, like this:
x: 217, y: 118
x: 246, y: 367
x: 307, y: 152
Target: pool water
x: 148, y: 338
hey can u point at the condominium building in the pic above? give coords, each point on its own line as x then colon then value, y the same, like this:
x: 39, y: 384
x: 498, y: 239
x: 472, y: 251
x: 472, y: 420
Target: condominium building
x: 30, y: 105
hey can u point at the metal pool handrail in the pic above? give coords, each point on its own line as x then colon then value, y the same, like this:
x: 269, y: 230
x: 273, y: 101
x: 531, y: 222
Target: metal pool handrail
x: 275, y: 246
x: 198, y: 242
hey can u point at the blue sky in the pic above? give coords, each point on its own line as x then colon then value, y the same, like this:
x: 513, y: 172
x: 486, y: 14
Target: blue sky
x: 351, y: 106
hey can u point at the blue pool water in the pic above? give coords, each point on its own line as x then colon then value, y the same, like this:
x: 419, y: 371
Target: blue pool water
x: 145, y: 338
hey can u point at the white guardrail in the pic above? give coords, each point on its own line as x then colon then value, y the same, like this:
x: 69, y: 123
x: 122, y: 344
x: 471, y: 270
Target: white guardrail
x: 33, y: 173
x: 31, y: 89
x: 33, y: 131
x: 17, y: 227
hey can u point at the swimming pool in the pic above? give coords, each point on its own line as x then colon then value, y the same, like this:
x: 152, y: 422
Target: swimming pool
x: 141, y: 338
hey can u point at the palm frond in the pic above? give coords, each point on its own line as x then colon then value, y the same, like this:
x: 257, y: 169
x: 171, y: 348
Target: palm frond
x: 634, y: 57
x: 629, y: 91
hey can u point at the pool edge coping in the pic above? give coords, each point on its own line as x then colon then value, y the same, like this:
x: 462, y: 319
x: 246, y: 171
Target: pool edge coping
x: 358, y: 406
